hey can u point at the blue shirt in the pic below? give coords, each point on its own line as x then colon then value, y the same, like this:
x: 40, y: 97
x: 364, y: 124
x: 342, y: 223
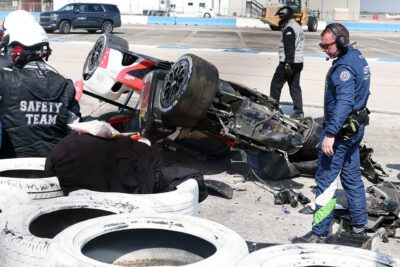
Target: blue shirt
x: 347, y: 89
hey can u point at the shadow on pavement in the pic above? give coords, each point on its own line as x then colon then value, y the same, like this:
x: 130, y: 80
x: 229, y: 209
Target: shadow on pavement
x: 253, y: 246
x: 393, y: 166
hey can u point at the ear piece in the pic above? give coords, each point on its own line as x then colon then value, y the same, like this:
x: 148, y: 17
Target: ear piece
x: 17, y: 53
x: 340, y: 39
x: 46, y: 52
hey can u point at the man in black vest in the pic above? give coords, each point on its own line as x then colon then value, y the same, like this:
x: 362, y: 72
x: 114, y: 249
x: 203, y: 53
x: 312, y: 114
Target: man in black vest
x: 291, y: 59
x: 36, y: 103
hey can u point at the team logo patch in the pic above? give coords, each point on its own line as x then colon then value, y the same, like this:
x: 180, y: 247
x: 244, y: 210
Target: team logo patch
x: 345, y: 75
x: 366, y: 70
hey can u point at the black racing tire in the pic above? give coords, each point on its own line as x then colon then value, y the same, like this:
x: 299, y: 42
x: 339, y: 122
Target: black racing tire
x: 49, y: 31
x: 91, y: 31
x: 275, y: 28
x: 207, y: 15
x: 188, y: 91
x: 93, y: 59
x: 96, y: 53
x: 107, y: 27
x: 312, y: 24
x: 64, y: 27
x: 308, y: 151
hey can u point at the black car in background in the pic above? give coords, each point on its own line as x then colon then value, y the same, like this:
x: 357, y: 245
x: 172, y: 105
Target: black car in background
x: 89, y: 16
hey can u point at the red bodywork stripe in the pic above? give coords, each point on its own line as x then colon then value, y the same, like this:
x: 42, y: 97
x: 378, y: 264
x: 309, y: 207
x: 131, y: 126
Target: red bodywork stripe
x: 230, y: 143
x: 133, y: 82
x: 136, y: 137
x: 118, y: 120
x: 104, y: 59
x: 78, y: 89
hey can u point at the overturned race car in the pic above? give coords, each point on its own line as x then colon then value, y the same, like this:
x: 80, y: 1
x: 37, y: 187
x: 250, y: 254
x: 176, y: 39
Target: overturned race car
x: 188, y: 96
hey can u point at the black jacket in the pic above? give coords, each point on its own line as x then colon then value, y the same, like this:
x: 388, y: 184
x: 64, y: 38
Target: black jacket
x: 35, y: 106
x: 82, y: 161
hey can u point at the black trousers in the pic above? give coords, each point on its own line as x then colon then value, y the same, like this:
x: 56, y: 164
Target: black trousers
x: 280, y: 78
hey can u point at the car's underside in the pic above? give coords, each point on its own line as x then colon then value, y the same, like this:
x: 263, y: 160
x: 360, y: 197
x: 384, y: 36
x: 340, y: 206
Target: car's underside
x: 189, y: 96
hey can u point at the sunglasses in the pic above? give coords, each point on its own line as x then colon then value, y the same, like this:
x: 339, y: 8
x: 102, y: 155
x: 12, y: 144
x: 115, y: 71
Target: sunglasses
x: 326, y: 46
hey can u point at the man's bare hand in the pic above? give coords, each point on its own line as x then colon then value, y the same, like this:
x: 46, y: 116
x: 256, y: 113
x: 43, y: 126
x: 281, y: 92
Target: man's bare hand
x: 327, y: 146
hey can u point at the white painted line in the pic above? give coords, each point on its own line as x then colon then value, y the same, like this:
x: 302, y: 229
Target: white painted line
x: 207, y: 49
x: 387, y: 40
x: 317, y: 56
x: 386, y: 52
x: 268, y: 53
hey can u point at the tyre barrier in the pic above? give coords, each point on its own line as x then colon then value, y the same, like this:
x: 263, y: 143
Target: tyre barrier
x: 316, y: 255
x: 183, y: 200
x: 149, y: 240
x: 27, y: 230
x: 9, y: 197
x: 27, y: 174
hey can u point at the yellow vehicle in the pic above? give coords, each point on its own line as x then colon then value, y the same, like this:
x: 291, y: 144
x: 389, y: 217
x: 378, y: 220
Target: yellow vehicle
x: 301, y: 14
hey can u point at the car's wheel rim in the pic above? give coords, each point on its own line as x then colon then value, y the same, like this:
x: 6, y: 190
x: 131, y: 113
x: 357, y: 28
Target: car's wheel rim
x: 174, y: 83
x: 66, y: 27
x: 96, y: 54
x: 107, y: 27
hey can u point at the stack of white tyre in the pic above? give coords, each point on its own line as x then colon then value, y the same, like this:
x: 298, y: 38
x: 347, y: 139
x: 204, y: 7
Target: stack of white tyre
x: 27, y: 229
x: 34, y: 210
x: 316, y: 255
x: 183, y: 200
x: 148, y: 240
x: 37, y: 187
x: 41, y: 227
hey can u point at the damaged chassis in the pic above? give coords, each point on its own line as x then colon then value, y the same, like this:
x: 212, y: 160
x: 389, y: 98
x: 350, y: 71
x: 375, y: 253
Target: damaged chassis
x: 188, y: 94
